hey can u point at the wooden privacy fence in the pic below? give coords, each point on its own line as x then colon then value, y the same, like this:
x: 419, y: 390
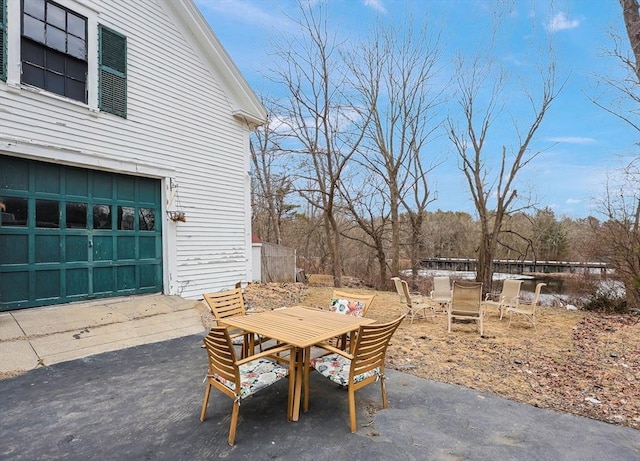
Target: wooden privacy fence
x: 278, y: 263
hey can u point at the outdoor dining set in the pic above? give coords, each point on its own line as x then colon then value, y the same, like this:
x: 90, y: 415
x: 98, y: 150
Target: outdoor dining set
x: 247, y: 353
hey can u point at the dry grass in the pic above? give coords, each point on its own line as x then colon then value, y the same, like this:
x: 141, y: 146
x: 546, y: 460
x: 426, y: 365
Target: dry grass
x: 582, y: 363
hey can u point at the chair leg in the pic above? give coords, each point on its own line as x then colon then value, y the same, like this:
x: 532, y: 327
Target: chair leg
x: 234, y: 423
x: 352, y: 409
x: 383, y: 390
x: 481, y: 326
x: 205, y: 402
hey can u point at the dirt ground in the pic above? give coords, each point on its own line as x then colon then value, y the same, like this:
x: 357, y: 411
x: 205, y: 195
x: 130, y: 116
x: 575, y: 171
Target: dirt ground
x: 576, y: 362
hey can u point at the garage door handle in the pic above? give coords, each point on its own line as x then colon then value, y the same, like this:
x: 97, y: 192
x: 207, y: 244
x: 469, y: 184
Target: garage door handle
x: 90, y: 243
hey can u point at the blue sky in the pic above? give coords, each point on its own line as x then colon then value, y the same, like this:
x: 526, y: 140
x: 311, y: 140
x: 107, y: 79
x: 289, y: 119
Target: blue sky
x: 580, y: 142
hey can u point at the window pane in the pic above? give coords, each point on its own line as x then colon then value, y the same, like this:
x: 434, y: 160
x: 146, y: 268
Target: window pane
x: 47, y: 213
x: 34, y: 8
x: 32, y: 75
x: 76, y: 215
x: 76, y: 26
x: 54, y: 83
x: 101, y: 217
x: 56, y: 39
x: 77, y: 69
x: 76, y: 90
x: 147, y: 219
x: 56, y: 16
x: 76, y: 47
x: 55, y: 61
x: 15, y: 212
x: 33, y: 29
x: 33, y: 53
x: 126, y: 217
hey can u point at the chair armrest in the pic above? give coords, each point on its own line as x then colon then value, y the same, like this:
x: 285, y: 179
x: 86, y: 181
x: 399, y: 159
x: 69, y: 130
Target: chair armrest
x: 265, y: 353
x: 335, y: 350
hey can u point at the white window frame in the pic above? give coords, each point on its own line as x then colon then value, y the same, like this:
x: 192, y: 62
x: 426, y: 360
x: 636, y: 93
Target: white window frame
x: 14, y: 59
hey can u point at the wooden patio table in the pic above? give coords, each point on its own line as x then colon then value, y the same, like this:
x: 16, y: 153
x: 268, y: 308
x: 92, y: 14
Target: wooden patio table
x: 301, y: 327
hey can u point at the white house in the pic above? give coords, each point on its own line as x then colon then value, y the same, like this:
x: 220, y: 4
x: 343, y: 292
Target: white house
x: 124, y: 152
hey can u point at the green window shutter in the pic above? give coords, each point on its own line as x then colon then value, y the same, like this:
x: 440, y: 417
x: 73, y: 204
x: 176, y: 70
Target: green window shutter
x: 113, y: 72
x: 3, y: 40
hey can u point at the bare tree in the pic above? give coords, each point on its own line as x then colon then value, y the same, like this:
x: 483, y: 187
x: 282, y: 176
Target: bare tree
x: 312, y: 74
x: 621, y: 232
x: 271, y: 187
x: 493, y: 190
x: 632, y: 23
x: 393, y: 75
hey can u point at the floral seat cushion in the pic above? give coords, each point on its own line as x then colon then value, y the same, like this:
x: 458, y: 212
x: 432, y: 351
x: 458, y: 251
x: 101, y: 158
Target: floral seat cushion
x: 346, y: 307
x: 336, y: 368
x: 255, y: 375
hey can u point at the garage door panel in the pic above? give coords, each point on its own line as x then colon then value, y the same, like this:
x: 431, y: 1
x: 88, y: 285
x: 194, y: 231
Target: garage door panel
x: 77, y: 182
x: 47, y: 248
x: 126, y: 189
x: 102, y: 248
x: 69, y: 234
x: 126, y: 278
x: 76, y: 248
x: 103, y: 279
x: 126, y: 247
x: 77, y: 281
x: 102, y: 185
x: 47, y: 284
x: 47, y: 178
x: 147, y: 191
x: 150, y: 276
x: 147, y: 247
x: 14, y: 175
x: 14, y: 249
x: 14, y: 287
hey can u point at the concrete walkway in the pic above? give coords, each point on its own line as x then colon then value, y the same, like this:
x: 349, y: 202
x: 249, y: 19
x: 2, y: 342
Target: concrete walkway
x: 143, y: 402
x: 48, y: 335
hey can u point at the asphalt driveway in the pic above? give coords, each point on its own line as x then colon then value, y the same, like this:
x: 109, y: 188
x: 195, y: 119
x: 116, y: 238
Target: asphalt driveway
x: 143, y: 403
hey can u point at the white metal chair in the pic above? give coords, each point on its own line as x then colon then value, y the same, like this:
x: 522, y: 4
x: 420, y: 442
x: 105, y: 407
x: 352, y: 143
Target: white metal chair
x: 413, y: 301
x: 466, y: 303
x: 526, y: 309
x: 509, y: 296
x: 441, y: 293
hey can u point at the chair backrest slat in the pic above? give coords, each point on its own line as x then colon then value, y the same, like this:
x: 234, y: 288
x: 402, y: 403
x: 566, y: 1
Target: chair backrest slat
x: 371, y: 346
x: 222, y: 356
x: 225, y: 303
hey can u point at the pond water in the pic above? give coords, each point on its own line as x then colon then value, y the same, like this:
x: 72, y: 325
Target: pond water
x: 559, y: 289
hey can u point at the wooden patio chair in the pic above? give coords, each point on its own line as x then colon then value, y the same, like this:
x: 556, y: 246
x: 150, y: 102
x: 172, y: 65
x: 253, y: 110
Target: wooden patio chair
x: 350, y: 303
x: 230, y: 303
x: 441, y: 293
x: 365, y: 365
x: 466, y: 304
x: 526, y: 309
x: 239, y: 379
x: 413, y: 301
x: 509, y: 296
x: 346, y: 303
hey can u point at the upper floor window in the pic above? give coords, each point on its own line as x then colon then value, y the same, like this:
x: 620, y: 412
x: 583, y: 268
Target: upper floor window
x: 54, y: 49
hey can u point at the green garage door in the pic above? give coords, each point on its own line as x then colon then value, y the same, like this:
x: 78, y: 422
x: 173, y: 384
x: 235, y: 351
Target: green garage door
x: 70, y: 234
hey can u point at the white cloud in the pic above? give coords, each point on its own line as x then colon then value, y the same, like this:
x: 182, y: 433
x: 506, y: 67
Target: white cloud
x: 573, y: 201
x: 562, y: 22
x: 376, y: 5
x: 572, y: 140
